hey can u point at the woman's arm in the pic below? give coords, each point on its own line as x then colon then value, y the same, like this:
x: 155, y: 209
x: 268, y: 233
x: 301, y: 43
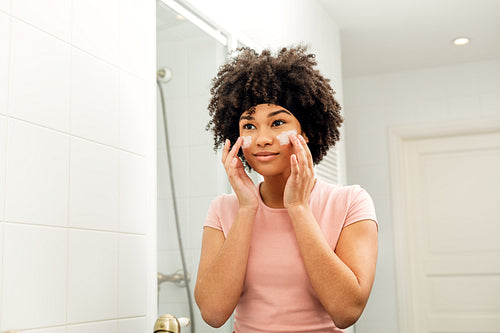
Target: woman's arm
x: 223, y: 262
x: 222, y: 269
x: 342, y: 279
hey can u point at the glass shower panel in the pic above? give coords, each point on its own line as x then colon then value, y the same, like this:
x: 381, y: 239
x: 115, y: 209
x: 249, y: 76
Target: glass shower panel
x: 189, y: 58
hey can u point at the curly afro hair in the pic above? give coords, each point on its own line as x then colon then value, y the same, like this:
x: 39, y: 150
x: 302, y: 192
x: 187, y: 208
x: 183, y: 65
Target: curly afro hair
x: 289, y: 80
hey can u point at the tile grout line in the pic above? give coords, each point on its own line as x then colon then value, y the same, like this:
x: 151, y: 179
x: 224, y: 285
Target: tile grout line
x: 88, y: 140
x: 77, y: 47
x: 4, y: 201
x: 68, y: 232
x: 69, y: 163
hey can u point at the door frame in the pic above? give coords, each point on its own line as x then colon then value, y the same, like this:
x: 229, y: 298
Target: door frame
x: 399, y: 137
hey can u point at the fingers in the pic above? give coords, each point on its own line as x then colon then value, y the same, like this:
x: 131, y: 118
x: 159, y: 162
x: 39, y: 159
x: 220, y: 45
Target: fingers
x: 232, y: 163
x: 308, y: 152
x: 225, y: 151
x: 295, y: 169
x: 303, y: 154
x: 228, y: 155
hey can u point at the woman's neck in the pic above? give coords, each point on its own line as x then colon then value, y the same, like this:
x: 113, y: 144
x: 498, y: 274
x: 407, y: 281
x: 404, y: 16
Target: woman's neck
x: 272, y: 189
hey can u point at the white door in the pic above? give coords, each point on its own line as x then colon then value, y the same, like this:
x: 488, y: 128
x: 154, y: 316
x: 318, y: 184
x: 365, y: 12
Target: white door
x: 450, y: 187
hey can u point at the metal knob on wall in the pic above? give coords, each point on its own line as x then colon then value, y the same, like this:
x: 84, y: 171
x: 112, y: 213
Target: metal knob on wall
x: 167, y: 323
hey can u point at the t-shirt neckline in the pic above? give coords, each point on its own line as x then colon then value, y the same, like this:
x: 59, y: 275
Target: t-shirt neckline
x: 282, y: 210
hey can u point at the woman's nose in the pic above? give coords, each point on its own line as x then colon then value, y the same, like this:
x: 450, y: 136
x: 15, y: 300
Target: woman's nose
x: 264, y: 138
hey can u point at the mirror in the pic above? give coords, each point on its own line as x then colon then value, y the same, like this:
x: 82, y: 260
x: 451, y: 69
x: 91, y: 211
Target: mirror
x: 187, y: 59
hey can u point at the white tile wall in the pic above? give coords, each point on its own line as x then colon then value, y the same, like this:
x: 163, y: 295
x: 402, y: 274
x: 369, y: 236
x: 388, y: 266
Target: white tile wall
x: 133, y: 325
x: 1, y: 266
x: 94, y: 99
x: 102, y: 327
x: 180, y: 171
x: 48, y: 330
x: 72, y: 110
x: 202, y: 168
x: 197, y: 214
x: 464, y: 106
x: 132, y: 193
x: 92, y: 276
x: 94, y: 186
x: 37, y: 164
x: 5, y: 5
x: 133, y: 107
x: 39, y: 86
x: 132, y: 276
x: 3, y: 160
x: 34, y: 276
x: 198, y: 120
x: 169, y: 262
x: 167, y: 234
x: 133, y: 36
x: 56, y: 21
x: 202, y: 65
x: 177, y: 62
x: 177, y: 121
x: 489, y: 76
x: 164, y: 191
x: 95, y: 28
x: 4, y: 60
x: 167, y: 237
x: 490, y: 104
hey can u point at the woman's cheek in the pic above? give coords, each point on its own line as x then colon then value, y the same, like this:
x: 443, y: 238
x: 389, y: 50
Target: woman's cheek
x: 284, y: 137
x: 247, y: 141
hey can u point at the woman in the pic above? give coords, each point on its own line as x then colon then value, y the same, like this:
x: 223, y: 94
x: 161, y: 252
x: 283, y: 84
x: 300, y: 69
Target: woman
x: 293, y: 254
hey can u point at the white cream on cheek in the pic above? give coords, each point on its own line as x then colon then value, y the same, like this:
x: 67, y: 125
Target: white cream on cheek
x: 284, y: 137
x: 247, y: 141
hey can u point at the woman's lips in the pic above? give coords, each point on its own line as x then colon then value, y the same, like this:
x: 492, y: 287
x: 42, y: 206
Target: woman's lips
x: 265, y: 156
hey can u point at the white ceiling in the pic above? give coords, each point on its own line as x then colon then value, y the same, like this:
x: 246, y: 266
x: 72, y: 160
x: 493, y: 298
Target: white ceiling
x: 393, y: 35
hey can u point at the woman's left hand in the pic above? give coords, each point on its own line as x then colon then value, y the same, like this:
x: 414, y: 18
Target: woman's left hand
x: 301, y: 180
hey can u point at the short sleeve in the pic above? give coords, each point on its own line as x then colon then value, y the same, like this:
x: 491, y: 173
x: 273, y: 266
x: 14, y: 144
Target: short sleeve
x: 213, y: 218
x: 361, y: 207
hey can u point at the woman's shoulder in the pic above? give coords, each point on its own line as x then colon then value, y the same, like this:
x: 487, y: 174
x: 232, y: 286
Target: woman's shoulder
x: 222, y: 212
x: 322, y: 188
x: 353, y: 200
x: 225, y: 201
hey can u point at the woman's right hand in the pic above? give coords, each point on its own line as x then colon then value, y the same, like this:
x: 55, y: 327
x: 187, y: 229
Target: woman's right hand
x: 243, y: 186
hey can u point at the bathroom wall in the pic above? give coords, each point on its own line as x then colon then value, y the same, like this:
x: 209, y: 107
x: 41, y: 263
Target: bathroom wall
x: 77, y: 166
x: 375, y: 103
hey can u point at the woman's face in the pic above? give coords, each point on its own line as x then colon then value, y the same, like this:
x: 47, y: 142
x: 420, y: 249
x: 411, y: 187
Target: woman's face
x: 266, y: 143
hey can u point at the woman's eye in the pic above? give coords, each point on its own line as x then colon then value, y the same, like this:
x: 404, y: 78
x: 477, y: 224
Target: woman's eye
x: 248, y: 126
x: 278, y: 122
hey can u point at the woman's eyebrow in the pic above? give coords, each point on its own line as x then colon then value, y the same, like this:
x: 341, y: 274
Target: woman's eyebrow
x: 249, y: 117
x: 272, y: 114
x: 269, y: 115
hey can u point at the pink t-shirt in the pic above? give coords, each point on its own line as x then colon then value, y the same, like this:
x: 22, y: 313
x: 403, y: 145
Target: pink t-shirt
x: 277, y: 295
